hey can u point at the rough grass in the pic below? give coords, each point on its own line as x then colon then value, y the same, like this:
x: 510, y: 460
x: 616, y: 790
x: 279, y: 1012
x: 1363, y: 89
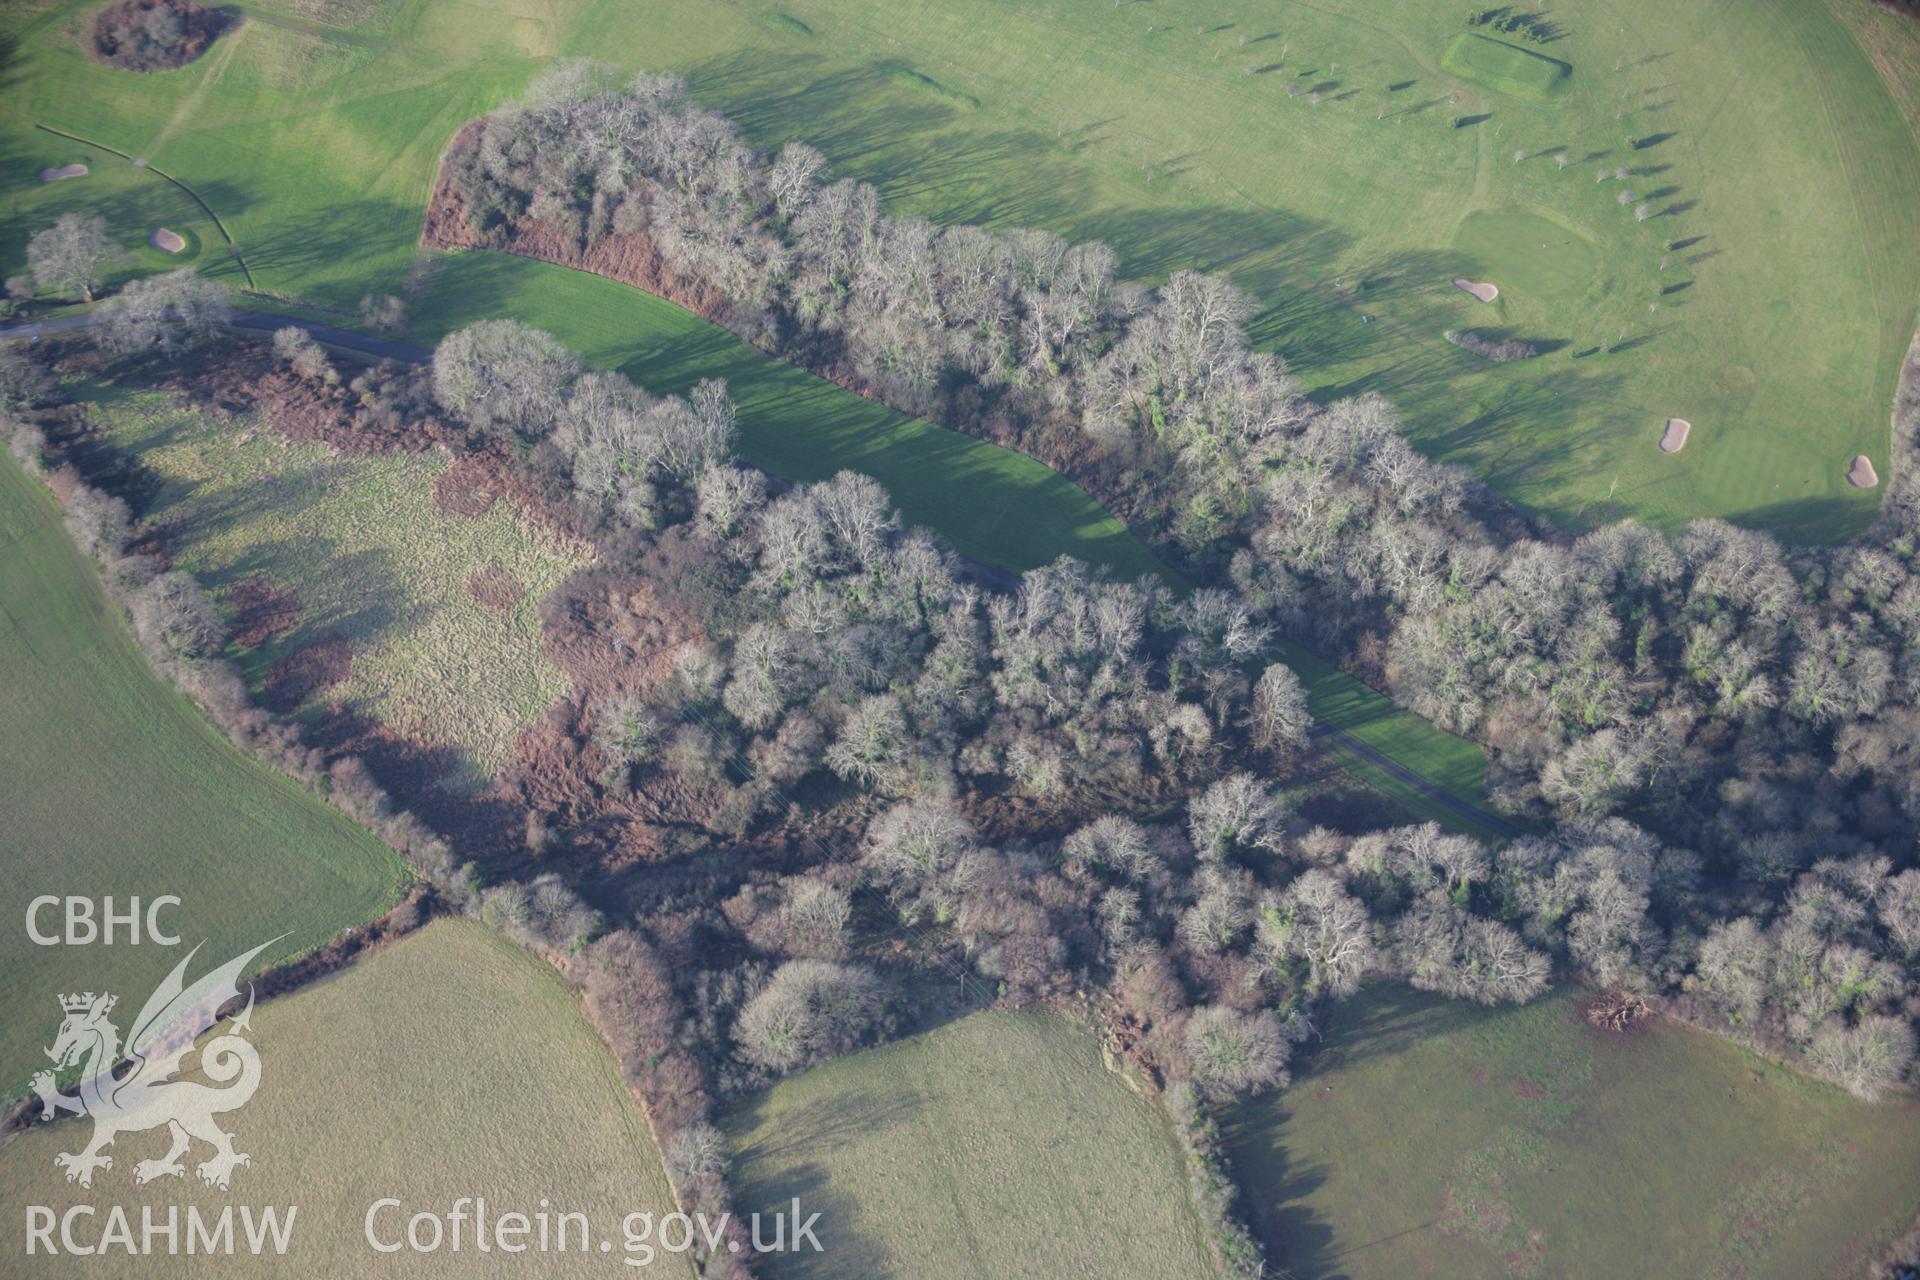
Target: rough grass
x: 449, y: 1065
x: 1508, y: 68
x: 1428, y: 1138
x: 111, y: 783
x: 998, y: 1145
x: 367, y: 554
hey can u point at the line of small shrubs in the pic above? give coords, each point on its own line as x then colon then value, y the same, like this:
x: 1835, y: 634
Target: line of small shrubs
x: 1499, y: 350
x: 1211, y: 1182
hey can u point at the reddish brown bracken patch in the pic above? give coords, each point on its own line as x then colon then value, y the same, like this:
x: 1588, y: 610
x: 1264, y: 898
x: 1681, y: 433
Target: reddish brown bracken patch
x: 470, y: 486
x: 302, y: 673
x: 262, y: 611
x: 630, y: 257
x: 495, y: 587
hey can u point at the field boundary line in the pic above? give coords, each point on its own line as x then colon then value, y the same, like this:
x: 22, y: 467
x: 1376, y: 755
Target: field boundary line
x: 157, y: 170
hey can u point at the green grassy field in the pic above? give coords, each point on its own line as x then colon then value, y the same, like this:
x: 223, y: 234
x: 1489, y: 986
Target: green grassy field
x: 122, y: 788
x: 991, y: 503
x: 368, y: 556
x: 998, y: 1145
x: 1428, y: 1138
x: 1505, y: 67
x: 134, y: 203
x: 449, y: 1065
x: 1759, y: 134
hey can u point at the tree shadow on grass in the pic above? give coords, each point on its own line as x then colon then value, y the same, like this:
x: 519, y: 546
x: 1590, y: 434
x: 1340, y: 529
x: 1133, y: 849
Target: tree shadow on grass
x: 1272, y: 1188
x: 1384, y: 1020
x: 930, y: 158
x: 347, y: 241
x: 1813, y: 521
x: 794, y: 1162
x: 848, y: 1245
x: 824, y: 1125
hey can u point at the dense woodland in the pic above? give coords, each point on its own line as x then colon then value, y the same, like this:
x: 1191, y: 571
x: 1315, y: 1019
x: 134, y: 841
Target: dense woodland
x: 1071, y: 788
x: 154, y: 35
x: 1620, y: 676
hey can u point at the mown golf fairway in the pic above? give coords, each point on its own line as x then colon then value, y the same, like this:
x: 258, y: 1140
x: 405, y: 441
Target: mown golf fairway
x: 450, y: 1065
x: 1779, y: 172
x: 122, y: 788
x: 1429, y: 1138
x: 998, y: 1145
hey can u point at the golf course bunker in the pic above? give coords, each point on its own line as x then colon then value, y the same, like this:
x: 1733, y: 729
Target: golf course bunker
x: 64, y: 171
x: 1861, y: 474
x: 167, y: 241
x: 1675, y: 438
x: 1484, y: 292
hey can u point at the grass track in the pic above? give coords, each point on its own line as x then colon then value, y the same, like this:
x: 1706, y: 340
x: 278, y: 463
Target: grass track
x: 993, y: 504
x: 1436, y: 1138
x: 450, y: 1065
x: 998, y: 1145
x: 122, y: 788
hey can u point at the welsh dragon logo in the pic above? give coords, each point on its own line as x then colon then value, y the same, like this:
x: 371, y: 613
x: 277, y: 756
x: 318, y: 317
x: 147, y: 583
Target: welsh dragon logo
x: 146, y: 1095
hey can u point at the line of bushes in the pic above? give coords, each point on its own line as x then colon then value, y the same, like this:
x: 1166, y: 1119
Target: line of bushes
x: 1499, y: 350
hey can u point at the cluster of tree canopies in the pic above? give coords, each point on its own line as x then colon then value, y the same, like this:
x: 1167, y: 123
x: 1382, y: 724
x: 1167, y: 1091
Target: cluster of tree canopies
x: 1069, y: 785
x: 1752, y: 704
x: 837, y: 642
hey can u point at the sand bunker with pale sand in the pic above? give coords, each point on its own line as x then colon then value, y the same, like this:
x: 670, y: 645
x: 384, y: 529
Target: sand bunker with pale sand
x: 1484, y: 292
x: 1861, y: 474
x: 64, y: 171
x: 1675, y: 438
x: 167, y: 241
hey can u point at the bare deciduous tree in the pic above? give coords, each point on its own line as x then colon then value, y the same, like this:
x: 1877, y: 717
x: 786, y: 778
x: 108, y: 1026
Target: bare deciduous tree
x: 1235, y: 1054
x: 809, y: 1010
x: 167, y: 313
x: 303, y: 355
x: 68, y: 257
x: 505, y: 379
